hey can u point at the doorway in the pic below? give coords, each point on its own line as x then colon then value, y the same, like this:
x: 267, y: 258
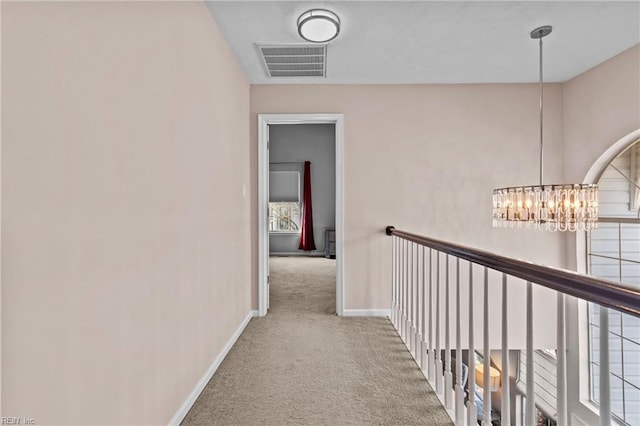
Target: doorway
x: 287, y: 169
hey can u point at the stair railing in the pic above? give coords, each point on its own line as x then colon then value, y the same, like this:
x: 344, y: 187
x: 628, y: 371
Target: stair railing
x: 416, y: 313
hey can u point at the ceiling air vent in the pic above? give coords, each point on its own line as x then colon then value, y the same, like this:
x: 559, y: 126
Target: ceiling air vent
x: 297, y: 60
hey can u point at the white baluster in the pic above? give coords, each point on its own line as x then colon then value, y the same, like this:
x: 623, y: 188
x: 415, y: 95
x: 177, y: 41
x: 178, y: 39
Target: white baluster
x: 398, y: 281
x: 399, y: 302
x: 414, y: 303
x: 605, y: 373
x: 393, y: 280
x: 410, y: 300
x: 437, y: 331
x: 398, y: 284
x: 472, y: 409
x: 422, y: 333
x: 506, y: 398
x: 448, y: 379
x: 401, y: 298
x: 531, y: 396
x: 486, y: 393
x: 431, y: 358
x: 562, y: 364
x: 405, y: 289
x: 459, y: 390
x: 409, y: 296
x: 416, y: 299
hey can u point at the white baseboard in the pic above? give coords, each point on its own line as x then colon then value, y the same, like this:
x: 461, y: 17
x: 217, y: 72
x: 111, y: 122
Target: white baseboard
x: 186, y: 405
x: 296, y: 253
x: 367, y: 313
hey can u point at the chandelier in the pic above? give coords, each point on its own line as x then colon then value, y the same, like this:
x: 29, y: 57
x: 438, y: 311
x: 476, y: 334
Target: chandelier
x: 563, y: 207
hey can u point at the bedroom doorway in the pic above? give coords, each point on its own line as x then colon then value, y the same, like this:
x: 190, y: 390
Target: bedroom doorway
x: 298, y: 151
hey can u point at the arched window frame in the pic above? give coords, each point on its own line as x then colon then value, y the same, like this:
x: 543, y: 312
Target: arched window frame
x: 582, y: 265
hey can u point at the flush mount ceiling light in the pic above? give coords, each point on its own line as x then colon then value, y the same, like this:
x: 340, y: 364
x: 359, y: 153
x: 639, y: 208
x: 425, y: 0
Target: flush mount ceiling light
x: 564, y: 207
x: 318, y: 25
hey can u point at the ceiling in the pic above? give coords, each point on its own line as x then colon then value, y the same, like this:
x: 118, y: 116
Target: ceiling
x: 397, y: 42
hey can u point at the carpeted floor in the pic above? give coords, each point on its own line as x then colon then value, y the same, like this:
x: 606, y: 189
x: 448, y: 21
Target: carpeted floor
x: 302, y: 365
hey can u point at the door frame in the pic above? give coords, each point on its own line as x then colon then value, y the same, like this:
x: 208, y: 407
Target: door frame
x: 264, y: 120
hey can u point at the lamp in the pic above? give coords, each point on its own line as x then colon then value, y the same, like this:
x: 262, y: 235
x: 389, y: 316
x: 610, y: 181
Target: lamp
x: 494, y: 377
x: 318, y: 25
x: 564, y: 207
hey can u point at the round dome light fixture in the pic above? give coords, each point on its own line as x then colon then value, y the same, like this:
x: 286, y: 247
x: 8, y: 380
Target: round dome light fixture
x: 318, y: 25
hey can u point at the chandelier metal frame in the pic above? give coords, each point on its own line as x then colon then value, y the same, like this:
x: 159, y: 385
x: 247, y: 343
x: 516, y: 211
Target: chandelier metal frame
x: 557, y: 207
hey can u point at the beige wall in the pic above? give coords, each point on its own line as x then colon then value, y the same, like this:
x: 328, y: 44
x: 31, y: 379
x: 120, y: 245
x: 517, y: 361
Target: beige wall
x: 425, y: 158
x: 601, y: 106
x: 125, y: 239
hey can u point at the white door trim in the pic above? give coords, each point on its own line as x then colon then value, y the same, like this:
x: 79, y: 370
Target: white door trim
x: 264, y: 120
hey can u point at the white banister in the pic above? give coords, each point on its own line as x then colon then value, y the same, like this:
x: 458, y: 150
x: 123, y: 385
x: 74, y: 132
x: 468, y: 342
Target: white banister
x: 459, y: 390
x: 448, y: 379
x: 506, y: 397
x: 394, y: 269
x: 410, y: 309
x: 605, y: 373
x: 423, y: 315
x: 400, y: 318
x: 472, y: 409
x: 416, y: 318
x: 416, y: 282
x: 431, y: 358
x: 561, y: 357
x: 399, y: 273
x: 405, y: 283
x: 398, y: 281
x: 531, y: 396
x: 437, y: 349
x: 486, y: 385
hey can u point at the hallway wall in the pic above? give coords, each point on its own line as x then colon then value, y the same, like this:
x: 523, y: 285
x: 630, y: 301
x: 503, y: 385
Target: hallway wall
x: 425, y: 158
x: 125, y: 235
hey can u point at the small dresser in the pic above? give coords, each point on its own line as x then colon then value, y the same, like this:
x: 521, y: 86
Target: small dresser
x: 330, y: 243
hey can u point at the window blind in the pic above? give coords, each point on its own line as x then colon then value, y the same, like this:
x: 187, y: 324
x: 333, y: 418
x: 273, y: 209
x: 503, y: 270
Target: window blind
x: 284, y: 186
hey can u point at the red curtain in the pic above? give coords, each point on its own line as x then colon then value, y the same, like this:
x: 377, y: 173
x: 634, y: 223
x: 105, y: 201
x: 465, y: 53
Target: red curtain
x: 306, y: 236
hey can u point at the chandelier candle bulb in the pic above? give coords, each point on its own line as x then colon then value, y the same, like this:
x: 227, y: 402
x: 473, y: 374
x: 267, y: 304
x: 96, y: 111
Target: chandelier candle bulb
x: 564, y: 207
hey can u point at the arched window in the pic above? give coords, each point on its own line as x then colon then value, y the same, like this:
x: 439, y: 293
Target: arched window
x: 613, y: 252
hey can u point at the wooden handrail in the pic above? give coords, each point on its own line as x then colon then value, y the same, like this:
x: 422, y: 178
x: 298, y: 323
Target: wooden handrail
x: 603, y: 292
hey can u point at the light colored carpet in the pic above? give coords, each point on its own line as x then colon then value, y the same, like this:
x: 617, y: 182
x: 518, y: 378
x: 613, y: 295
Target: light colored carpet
x: 302, y: 365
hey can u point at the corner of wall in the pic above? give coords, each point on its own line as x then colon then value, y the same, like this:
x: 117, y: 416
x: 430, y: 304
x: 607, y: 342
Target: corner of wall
x: 1, y: 220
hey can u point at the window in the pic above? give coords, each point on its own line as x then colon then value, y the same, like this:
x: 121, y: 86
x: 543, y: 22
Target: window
x: 541, y: 418
x: 614, y: 253
x: 284, y: 217
x: 544, y: 382
x: 284, y: 198
x: 551, y: 353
